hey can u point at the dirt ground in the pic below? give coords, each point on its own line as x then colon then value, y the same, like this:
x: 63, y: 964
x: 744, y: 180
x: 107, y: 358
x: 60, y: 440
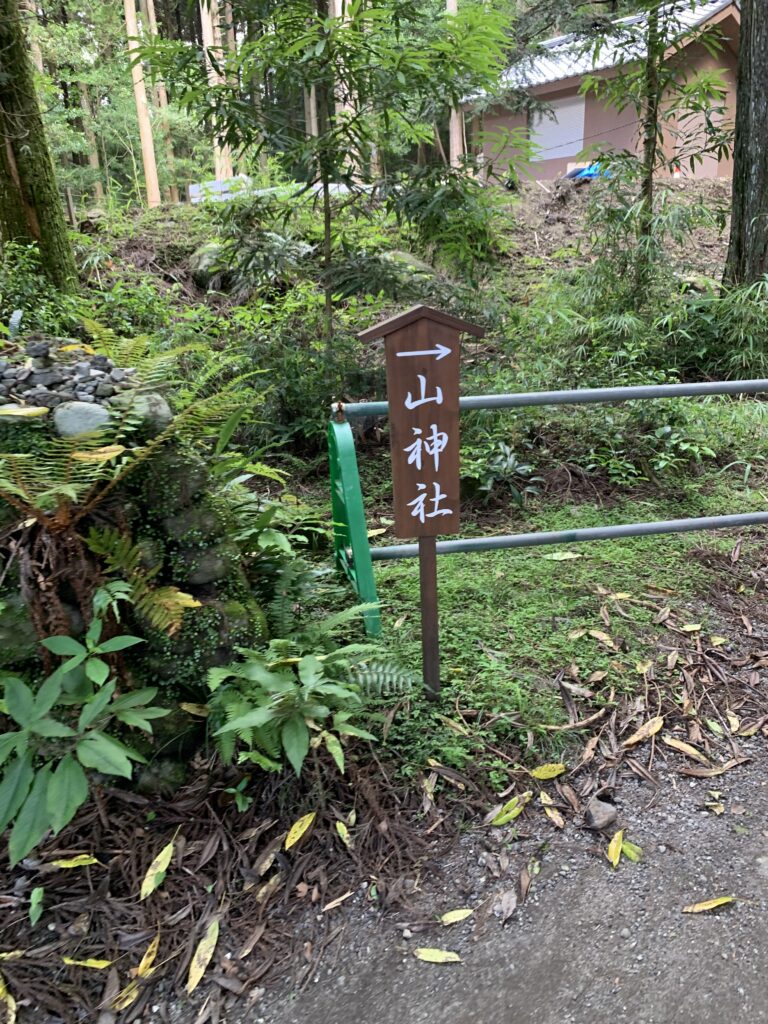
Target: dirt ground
x: 552, y: 230
x: 591, y: 944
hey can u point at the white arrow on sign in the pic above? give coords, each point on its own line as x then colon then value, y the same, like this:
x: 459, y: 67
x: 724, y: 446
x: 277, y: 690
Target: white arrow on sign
x: 440, y: 352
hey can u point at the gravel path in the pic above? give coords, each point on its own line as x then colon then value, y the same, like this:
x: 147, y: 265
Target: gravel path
x: 590, y: 945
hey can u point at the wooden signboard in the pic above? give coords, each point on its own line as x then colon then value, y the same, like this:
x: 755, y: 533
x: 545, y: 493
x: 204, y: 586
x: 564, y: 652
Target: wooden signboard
x: 423, y: 357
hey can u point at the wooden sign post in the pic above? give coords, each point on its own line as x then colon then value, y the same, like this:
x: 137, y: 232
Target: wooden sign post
x: 423, y: 362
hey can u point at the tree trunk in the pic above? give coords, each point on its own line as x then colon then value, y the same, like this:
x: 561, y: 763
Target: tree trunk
x: 29, y: 8
x: 209, y: 17
x: 456, y: 146
x: 650, y: 129
x: 161, y: 97
x: 30, y: 207
x: 142, y: 108
x: 748, y: 246
x: 90, y: 137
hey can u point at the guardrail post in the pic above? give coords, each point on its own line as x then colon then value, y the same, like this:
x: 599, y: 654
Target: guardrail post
x: 352, y: 552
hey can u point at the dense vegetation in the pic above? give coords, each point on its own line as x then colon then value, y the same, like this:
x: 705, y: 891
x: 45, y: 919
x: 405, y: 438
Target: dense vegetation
x: 166, y: 593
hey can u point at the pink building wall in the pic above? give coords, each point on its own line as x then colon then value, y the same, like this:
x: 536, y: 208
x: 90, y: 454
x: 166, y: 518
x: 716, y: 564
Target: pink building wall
x: 604, y: 126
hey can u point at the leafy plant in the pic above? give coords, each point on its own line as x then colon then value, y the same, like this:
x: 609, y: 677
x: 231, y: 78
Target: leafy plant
x: 297, y: 694
x: 62, y: 734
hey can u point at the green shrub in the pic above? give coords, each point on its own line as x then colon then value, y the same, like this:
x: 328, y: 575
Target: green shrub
x: 48, y: 757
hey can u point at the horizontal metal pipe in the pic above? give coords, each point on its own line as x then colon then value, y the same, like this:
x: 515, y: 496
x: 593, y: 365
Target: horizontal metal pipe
x: 533, y: 540
x: 579, y: 396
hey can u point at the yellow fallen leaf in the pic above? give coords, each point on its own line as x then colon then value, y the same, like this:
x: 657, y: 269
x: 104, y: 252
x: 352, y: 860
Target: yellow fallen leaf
x: 144, y: 969
x: 343, y: 831
x: 156, y: 874
x: 562, y: 556
x: 691, y: 627
x: 603, y: 637
x: 548, y: 771
x: 577, y: 634
x: 199, y: 710
x: 622, y: 595
x: 716, y: 807
x: 337, y: 902
x: 202, y: 956
x: 551, y: 812
x: 8, y: 1000
x: 702, y: 908
x: 14, y: 954
x: 454, y: 916
x: 82, y: 860
x: 646, y: 730
x: 643, y: 666
x: 733, y: 722
x: 96, y: 965
x: 436, y: 956
x: 718, y: 641
x: 684, y: 748
x: 511, y: 809
x: 126, y: 996
x: 614, y: 848
x: 110, y: 451
x: 79, y: 347
x: 298, y: 829
x: 23, y: 411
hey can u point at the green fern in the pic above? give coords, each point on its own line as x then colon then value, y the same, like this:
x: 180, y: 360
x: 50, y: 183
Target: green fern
x: 162, y: 607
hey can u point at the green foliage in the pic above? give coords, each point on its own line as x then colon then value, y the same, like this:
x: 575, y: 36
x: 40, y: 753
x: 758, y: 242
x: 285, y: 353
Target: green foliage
x: 161, y: 607
x: 275, y: 699
x: 24, y: 286
x: 64, y: 728
x: 450, y: 215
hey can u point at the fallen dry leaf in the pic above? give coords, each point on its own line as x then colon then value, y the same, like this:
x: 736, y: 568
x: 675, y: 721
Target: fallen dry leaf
x: 202, y: 955
x: 548, y: 771
x: 614, y: 848
x: 299, y: 828
x: 436, y: 956
x: 702, y: 908
x: 646, y: 730
x: 156, y: 873
x: 685, y: 748
x: 454, y: 916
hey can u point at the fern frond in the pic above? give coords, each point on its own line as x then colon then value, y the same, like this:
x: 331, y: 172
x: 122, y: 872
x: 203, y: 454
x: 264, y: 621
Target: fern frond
x: 382, y: 679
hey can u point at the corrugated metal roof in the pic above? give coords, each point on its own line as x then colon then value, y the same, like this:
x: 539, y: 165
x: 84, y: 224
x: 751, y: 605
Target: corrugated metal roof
x: 571, y: 55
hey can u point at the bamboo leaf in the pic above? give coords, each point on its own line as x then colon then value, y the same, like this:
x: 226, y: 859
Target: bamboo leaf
x: 155, y: 876
x: 299, y: 828
x: 436, y: 956
x: 614, y: 848
x: 707, y: 905
x: 202, y: 955
x: 454, y: 916
x: 646, y: 730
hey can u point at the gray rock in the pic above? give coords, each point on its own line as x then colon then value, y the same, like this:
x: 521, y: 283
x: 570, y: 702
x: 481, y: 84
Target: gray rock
x: 599, y: 814
x: 83, y: 396
x: 101, y: 363
x: 104, y: 390
x: 11, y: 373
x: 3, y: 365
x: 74, y: 418
x: 82, y: 369
x: 118, y: 375
x: 38, y: 349
x: 45, y: 378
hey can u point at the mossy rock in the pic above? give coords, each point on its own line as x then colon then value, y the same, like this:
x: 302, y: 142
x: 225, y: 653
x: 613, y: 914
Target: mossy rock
x: 200, y: 567
x: 208, y: 637
x: 171, y: 481
x: 197, y: 525
x: 18, y: 639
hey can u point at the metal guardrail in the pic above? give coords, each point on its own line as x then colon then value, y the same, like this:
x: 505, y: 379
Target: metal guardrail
x: 355, y: 557
x: 578, y: 396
